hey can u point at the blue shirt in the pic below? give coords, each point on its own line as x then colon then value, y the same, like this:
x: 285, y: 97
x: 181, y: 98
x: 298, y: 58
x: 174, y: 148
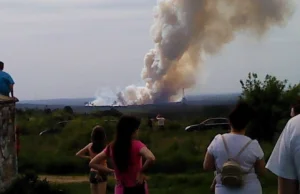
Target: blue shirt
x: 5, y: 81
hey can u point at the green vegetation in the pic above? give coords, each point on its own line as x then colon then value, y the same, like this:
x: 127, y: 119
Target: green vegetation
x: 170, y: 184
x: 179, y: 154
x: 177, y: 151
x: 30, y: 184
x: 272, y: 99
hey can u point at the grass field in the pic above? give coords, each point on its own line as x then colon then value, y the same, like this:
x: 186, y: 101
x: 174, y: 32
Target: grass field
x: 178, y: 167
x: 158, y: 184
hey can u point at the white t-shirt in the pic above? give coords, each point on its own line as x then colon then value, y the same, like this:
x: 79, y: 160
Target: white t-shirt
x: 285, y: 158
x: 160, y: 121
x: 247, y: 160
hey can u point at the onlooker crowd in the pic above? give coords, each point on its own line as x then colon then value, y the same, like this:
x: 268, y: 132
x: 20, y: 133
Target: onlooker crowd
x: 237, y: 160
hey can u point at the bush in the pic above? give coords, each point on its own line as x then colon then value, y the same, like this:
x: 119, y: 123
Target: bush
x: 271, y: 98
x: 30, y: 184
x: 176, y: 151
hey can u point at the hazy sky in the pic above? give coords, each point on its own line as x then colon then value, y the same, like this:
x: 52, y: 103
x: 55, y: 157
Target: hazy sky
x: 71, y: 48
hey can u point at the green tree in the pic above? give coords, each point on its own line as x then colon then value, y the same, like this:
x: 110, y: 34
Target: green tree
x: 271, y: 98
x: 68, y: 110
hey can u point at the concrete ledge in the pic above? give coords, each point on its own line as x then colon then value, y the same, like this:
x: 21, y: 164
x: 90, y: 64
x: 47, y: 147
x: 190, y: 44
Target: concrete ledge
x: 8, y: 156
x: 7, y: 99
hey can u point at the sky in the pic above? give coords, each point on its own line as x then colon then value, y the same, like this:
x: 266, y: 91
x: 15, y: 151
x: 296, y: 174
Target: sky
x: 74, y: 48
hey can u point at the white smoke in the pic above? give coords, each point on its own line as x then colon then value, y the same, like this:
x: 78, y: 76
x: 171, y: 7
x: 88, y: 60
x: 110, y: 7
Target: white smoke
x: 186, y: 30
x: 105, y: 96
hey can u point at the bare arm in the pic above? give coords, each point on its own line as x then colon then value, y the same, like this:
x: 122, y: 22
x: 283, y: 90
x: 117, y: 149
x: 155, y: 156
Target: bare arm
x: 209, y: 162
x: 11, y: 87
x: 96, y: 163
x: 259, y: 167
x: 148, y: 155
x: 83, y: 152
x: 287, y: 186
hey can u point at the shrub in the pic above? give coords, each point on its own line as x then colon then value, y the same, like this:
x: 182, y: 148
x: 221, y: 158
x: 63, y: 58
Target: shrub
x: 30, y: 184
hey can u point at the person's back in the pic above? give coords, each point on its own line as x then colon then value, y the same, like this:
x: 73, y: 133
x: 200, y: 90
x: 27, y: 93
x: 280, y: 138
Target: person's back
x: 236, y: 157
x: 160, y: 122
x: 98, y: 181
x: 247, y: 160
x: 6, y: 82
x: 284, y: 160
x: 126, y: 153
x: 92, y: 154
x: 128, y: 178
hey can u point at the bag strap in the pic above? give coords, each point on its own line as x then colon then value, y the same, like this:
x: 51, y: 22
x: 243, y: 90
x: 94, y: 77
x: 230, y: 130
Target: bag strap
x: 227, y: 151
x: 240, y: 152
x: 250, y: 169
x: 243, y: 148
x: 226, y: 147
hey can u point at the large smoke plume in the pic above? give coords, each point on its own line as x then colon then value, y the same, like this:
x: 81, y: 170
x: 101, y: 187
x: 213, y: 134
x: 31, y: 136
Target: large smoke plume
x: 183, y: 30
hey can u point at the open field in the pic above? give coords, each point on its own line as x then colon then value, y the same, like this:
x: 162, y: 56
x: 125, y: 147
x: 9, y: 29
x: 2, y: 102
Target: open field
x: 64, y: 179
x: 179, y: 154
x: 159, y: 184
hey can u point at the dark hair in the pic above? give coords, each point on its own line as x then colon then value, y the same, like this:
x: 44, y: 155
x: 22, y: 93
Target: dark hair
x: 1, y: 65
x: 296, y: 107
x: 126, y: 127
x: 240, y: 117
x: 98, y: 139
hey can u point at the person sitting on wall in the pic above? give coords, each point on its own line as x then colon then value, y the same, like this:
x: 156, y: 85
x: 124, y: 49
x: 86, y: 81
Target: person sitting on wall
x: 6, y: 83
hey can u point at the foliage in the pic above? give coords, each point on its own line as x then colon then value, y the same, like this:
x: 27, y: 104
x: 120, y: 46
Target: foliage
x: 179, y: 154
x: 68, y: 110
x: 30, y: 184
x: 177, y: 151
x: 55, y: 153
x: 271, y: 99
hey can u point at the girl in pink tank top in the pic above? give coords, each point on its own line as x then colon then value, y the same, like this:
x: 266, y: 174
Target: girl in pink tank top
x: 126, y: 154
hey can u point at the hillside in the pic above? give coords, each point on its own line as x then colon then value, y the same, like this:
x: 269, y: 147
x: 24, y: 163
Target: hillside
x: 77, y: 104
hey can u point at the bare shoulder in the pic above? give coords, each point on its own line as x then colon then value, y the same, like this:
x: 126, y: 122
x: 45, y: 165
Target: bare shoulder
x: 89, y: 145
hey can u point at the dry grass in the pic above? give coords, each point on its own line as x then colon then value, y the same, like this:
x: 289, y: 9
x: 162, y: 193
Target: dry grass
x: 64, y: 179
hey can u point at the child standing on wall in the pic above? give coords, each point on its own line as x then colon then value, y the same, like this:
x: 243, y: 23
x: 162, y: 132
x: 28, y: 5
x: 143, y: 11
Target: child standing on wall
x: 98, y: 181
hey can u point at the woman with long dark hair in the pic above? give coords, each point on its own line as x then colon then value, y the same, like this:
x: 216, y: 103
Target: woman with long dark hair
x: 126, y: 153
x: 98, y: 181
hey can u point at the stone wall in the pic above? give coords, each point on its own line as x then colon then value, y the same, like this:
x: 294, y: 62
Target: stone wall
x: 8, y: 156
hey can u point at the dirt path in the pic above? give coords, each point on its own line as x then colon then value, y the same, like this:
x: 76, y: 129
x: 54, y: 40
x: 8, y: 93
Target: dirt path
x: 64, y: 179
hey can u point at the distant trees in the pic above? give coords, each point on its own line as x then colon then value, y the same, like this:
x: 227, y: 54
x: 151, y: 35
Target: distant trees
x: 47, y: 110
x: 68, y: 109
x: 271, y: 98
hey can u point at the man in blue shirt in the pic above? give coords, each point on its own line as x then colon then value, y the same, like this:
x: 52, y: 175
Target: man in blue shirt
x: 6, y: 82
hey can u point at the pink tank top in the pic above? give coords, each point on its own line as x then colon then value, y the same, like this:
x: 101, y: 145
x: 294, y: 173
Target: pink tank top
x: 129, y: 178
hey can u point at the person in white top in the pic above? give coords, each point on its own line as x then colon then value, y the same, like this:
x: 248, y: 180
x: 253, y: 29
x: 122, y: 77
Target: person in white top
x: 160, y: 122
x: 285, y: 158
x: 251, y: 159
